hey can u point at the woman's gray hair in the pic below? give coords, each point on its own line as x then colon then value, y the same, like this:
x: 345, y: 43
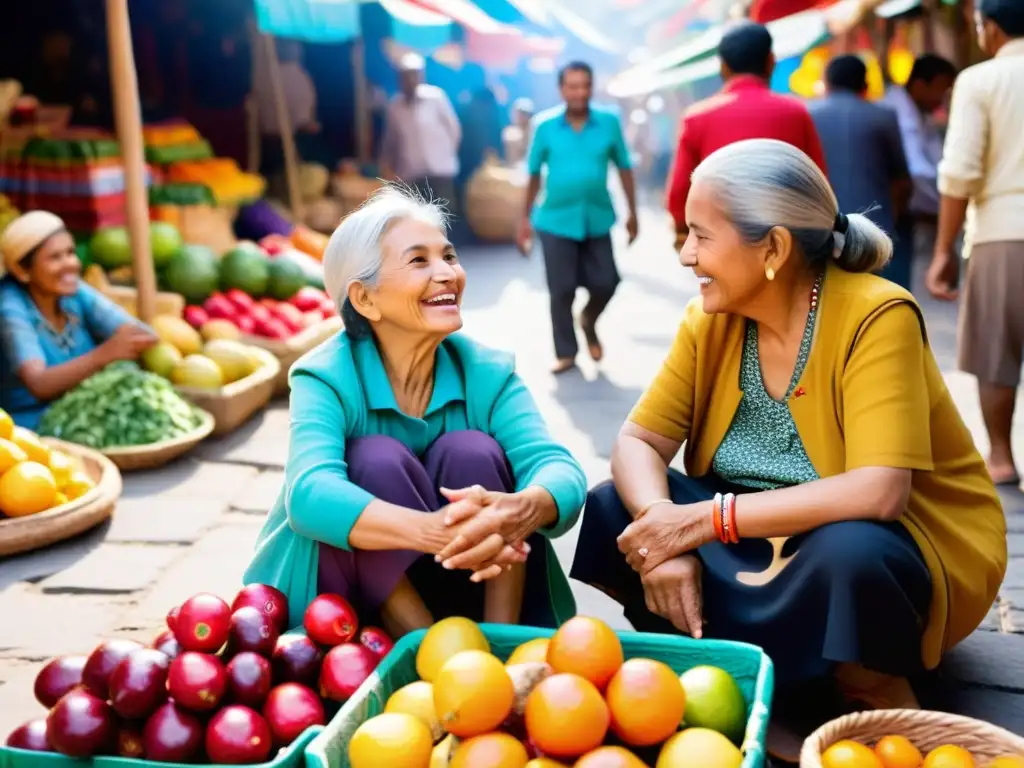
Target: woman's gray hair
x: 764, y: 183
x: 354, y: 255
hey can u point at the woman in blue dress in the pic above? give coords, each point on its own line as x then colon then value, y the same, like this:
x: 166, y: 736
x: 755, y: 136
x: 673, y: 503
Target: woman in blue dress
x: 55, y: 330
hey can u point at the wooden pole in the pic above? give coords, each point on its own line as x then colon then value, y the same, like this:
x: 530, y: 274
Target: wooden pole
x: 128, y: 119
x: 284, y: 124
x: 363, y: 118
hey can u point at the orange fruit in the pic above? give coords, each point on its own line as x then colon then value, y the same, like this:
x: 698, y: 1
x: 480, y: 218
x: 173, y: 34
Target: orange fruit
x: 850, y: 754
x: 10, y: 454
x: 949, y: 756
x: 443, y: 640
x: 646, y: 701
x: 78, y: 485
x: 394, y: 739
x: 898, y: 752
x: 700, y: 748
x: 545, y: 762
x: 566, y: 717
x: 535, y: 650
x: 473, y: 693
x: 610, y: 757
x: 62, y: 467
x: 586, y: 647
x: 30, y: 443
x: 417, y: 699
x: 495, y: 750
x: 6, y: 425
x: 26, y: 489
x: 59, y: 499
x: 1008, y: 761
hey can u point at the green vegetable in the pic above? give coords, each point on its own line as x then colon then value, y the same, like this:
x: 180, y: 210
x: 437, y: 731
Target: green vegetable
x: 122, y: 405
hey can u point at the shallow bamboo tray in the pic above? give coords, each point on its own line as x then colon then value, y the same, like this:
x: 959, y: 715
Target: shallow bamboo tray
x: 23, y: 534
x: 135, y: 457
x: 927, y: 730
x: 234, y: 403
x: 290, y: 350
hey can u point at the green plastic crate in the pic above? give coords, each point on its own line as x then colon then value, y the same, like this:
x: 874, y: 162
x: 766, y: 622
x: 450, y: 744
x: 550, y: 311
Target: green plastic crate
x: 748, y: 664
x: 292, y: 757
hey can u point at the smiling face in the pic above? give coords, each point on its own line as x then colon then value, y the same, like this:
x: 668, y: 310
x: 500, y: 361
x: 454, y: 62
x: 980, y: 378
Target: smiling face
x: 54, y: 268
x: 421, y: 281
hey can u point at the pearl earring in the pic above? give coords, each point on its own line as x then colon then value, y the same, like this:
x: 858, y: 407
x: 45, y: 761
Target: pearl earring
x: 769, y: 273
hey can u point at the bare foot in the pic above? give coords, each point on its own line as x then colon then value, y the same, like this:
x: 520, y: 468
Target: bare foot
x: 1003, y: 474
x: 593, y: 343
x: 563, y: 364
x: 874, y: 689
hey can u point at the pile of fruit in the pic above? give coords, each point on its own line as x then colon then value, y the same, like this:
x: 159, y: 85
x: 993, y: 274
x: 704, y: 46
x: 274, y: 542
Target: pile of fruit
x: 204, y: 359
x: 572, y: 699
x: 267, y: 317
x: 896, y: 751
x: 34, y: 477
x: 8, y: 212
x: 221, y: 685
x: 121, y: 406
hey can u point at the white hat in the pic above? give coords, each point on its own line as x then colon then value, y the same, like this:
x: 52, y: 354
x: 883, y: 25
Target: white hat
x: 26, y: 233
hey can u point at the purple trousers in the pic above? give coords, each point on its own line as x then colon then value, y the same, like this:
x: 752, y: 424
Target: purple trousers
x: 390, y: 471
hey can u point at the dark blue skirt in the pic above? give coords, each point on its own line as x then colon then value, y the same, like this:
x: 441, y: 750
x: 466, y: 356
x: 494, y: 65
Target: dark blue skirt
x: 854, y: 591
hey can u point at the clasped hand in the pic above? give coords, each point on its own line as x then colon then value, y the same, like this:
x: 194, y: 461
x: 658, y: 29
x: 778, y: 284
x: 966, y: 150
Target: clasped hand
x: 664, y: 532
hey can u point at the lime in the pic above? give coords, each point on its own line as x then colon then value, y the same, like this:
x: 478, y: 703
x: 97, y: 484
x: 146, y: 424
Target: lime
x: 715, y: 701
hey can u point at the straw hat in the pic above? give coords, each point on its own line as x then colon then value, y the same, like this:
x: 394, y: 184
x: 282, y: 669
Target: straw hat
x: 26, y: 233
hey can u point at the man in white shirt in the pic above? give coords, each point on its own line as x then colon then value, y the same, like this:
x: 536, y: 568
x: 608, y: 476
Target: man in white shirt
x: 980, y: 179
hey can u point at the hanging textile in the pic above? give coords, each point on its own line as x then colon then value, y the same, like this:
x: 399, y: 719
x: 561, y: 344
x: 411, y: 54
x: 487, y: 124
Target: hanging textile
x: 314, y: 21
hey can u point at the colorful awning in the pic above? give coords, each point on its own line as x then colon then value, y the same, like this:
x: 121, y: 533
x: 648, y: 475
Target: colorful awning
x: 315, y: 21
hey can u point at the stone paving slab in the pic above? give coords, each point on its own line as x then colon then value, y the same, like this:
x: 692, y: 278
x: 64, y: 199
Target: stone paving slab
x: 259, y: 496
x: 114, y: 569
x: 188, y: 479
x: 162, y: 520
x: 261, y: 442
x: 38, y: 625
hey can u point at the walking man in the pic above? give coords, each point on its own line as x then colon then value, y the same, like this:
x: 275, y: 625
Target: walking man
x: 575, y: 143
x: 980, y: 183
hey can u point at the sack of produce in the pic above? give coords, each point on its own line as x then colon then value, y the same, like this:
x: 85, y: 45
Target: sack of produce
x: 120, y: 406
x: 494, y: 201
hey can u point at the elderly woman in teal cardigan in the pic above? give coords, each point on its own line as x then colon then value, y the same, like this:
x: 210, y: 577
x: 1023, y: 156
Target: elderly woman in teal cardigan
x: 421, y: 479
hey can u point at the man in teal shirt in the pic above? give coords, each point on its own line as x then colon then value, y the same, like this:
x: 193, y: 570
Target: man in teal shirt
x: 573, y: 218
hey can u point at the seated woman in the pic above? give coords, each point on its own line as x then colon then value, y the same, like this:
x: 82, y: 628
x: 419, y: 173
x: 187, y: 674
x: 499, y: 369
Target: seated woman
x: 416, y: 455
x: 55, y: 330
x: 835, y: 510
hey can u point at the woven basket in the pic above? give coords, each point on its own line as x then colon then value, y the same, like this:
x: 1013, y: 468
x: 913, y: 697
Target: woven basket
x: 926, y: 729
x: 234, y: 403
x: 23, y: 534
x: 287, y: 351
x: 135, y: 457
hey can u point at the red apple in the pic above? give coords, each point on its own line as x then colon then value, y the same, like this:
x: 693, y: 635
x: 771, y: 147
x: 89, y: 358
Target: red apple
x: 130, y: 741
x: 197, y: 681
x: 330, y: 620
x: 328, y: 309
x: 249, y: 679
x: 203, y: 623
x: 297, y: 660
x: 268, y: 302
x: 138, y: 685
x: 259, y: 314
x: 57, y: 678
x: 377, y: 641
x: 243, y: 301
x: 289, y: 315
x: 101, y: 662
x: 246, y: 324
x: 220, y: 307
x: 172, y: 735
x: 172, y: 617
x: 266, y: 599
x: 308, y: 299
x: 273, y: 328
x: 238, y: 735
x: 252, y: 630
x: 30, y: 736
x: 309, y: 319
x: 81, y: 725
x: 196, y: 317
x: 167, y: 644
x: 290, y: 709
x: 345, y: 668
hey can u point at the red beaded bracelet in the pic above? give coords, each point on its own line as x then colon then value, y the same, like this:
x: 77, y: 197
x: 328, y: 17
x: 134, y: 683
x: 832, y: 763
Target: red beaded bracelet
x: 729, y: 504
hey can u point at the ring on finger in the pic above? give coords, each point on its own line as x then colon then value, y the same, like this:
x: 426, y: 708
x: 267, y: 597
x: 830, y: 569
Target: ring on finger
x: 643, y: 551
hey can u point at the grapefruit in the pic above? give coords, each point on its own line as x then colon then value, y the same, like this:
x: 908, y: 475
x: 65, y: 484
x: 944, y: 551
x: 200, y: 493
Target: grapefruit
x: 111, y: 248
x: 245, y: 267
x: 443, y: 640
x: 587, y: 647
x: 715, y: 701
x: 164, y: 242
x: 646, y: 701
x: 699, y: 748
x: 473, y: 694
x: 393, y: 739
x: 566, y: 716
x: 193, y: 273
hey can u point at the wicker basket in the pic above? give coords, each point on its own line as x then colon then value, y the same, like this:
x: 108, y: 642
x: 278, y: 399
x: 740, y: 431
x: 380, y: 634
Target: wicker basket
x: 287, y: 351
x: 135, y: 457
x: 925, y: 728
x: 23, y: 534
x: 234, y: 403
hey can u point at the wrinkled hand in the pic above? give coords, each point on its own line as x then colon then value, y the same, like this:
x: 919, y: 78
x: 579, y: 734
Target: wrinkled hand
x: 632, y: 227
x: 673, y: 591
x: 666, y: 531
x: 489, y: 530
x: 128, y: 342
x: 942, y: 276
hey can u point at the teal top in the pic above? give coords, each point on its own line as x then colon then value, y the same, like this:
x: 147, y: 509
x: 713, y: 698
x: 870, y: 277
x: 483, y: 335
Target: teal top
x: 762, y: 448
x: 575, y: 202
x: 339, y: 391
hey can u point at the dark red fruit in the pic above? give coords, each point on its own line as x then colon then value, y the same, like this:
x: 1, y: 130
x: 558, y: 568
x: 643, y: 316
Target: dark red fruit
x: 172, y: 618
x: 238, y: 735
x: 81, y: 725
x: 101, y: 662
x: 265, y: 599
x: 330, y: 620
x: 31, y: 736
x: 345, y: 668
x: 129, y: 741
x: 197, y: 681
x: 377, y: 641
x: 297, y: 660
x: 167, y: 644
x: 172, y: 735
x: 138, y: 684
x: 202, y: 623
x: 252, y: 630
x: 290, y: 709
x: 249, y: 679
x: 57, y: 678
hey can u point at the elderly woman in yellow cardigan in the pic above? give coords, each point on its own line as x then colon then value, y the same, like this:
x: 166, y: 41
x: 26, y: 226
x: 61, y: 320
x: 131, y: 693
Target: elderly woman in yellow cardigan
x: 835, y: 510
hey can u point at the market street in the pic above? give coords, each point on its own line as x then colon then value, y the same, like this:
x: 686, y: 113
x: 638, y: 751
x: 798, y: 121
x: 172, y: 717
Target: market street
x: 190, y: 527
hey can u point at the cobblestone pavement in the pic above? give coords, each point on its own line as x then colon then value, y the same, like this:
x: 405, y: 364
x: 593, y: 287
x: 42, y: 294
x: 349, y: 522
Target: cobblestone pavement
x: 190, y: 526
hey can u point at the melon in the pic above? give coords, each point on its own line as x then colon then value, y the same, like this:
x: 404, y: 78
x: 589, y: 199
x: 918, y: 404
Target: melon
x: 178, y: 333
x: 286, y: 279
x: 161, y: 358
x: 111, y: 248
x: 245, y: 267
x: 193, y: 273
x: 164, y: 242
x: 199, y: 372
x: 232, y: 358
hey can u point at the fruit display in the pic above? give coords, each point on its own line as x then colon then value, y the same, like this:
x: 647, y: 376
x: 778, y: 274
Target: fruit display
x: 267, y: 318
x: 223, y: 684
x: 122, y: 405
x: 896, y: 751
x: 8, y: 212
x: 33, y: 477
x: 573, y: 699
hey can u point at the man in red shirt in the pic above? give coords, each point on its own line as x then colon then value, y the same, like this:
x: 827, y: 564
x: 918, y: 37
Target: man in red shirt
x: 745, y: 108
